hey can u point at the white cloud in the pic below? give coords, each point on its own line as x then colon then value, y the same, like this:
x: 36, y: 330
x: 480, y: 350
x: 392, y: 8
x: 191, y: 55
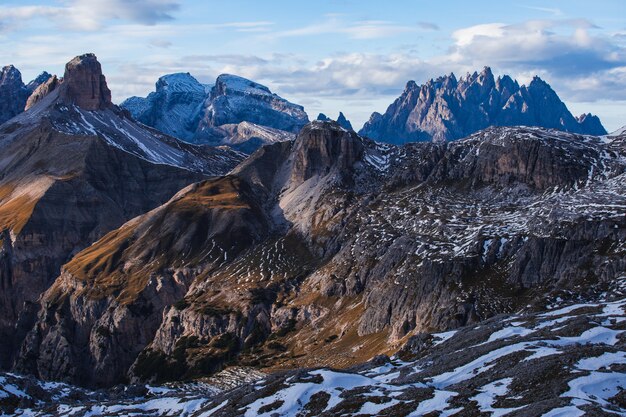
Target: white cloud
x: 335, y: 24
x: 90, y: 15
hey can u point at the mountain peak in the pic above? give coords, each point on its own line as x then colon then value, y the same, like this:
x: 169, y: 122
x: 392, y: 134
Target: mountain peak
x: 9, y: 72
x: 179, y: 82
x: 450, y: 110
x: 84, y: 84
x: 411, y: 85
x: 234, y: 83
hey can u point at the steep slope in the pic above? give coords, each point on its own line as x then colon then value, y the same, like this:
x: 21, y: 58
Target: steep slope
x: 297, y: 258
x: 72, y: 168
x: 13, y: 92
x: 236, y: 112
x: 448, y: 109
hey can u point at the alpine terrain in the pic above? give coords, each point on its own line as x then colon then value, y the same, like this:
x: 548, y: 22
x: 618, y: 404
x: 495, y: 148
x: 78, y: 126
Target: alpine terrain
x: 74, y: 167
x: 263, y: 265
x: 448, y: 108
x: 235, y: 111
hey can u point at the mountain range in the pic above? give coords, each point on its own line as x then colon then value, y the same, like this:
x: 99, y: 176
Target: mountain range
x: 343, y: 275
x: 75, y: 166
x: 235, y: 112
x: 447, y: 109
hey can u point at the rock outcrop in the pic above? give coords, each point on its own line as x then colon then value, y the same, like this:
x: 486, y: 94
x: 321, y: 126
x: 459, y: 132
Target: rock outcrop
x: 446, y: 109
x: 84, y: 84
x: 332, y: 249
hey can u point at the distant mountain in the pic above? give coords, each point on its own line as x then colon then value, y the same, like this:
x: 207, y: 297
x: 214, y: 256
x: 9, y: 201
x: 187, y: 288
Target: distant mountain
x: 341, y: 119
x: 193, y: 112
x: 448, y: 109
x: 73, y: 167
x: 13, y: 92
x: 173, y: 108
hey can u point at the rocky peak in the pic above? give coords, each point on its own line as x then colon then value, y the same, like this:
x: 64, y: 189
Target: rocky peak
x: 343, y: 122
x: 13, y: 93
x: 410, y: 86
x: 39, y: 80
x: 42, y: 90
x: 10, y: 76
x: 445, y: 109
x: 341, y: 119
x: 179, y: 82
x: 591, y: 124
x: 84, y: 84
x: 227, y: 83
x: 323, y: 148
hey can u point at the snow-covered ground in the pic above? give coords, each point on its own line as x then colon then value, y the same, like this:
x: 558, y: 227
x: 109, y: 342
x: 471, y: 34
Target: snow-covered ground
x: 565, y: 362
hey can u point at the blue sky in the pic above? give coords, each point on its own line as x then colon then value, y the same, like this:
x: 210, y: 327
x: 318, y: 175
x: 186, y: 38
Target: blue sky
x: 331, y: 55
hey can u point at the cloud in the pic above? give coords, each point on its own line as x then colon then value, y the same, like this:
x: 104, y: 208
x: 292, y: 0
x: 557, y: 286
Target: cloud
x: 553, y: 11
x: 335, y: 24
x: 91, y: 15
x: 571, y: 54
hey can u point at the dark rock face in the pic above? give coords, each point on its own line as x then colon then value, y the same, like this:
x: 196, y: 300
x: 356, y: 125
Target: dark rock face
x: 13, y: 93
x: 341, y: 119
x: 333, y: 249
x: 236, y: 112
x: 68, y: 176
x: 447, y: 109
x: 343, y: 122
x: 84, y: 84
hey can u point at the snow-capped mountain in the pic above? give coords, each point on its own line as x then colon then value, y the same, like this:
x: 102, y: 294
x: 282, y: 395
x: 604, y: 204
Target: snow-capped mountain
x: 13, y: 92
x: 73, y: 167
x: 236, y: 112
x: 446, y: 109
x: 173, y: 108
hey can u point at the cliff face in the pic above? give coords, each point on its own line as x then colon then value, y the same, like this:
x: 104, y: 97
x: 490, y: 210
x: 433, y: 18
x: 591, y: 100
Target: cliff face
x: 69, y: 175
x: 447, y: 109
x: 332, y: 249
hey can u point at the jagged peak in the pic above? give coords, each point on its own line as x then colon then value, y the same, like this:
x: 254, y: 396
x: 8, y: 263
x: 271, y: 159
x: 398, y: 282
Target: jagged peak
x: 40, y: 79
x: 411, y: 85
x: 84, y: 84
x: 42, y: 90
x: 10, y: 74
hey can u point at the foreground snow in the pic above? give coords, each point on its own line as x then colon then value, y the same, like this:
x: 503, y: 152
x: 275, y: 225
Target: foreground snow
x: 568, y: 361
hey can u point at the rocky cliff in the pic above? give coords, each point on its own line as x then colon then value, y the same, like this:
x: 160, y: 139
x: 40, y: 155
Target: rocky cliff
x: 446, y: 109
x: 72, y: 168
x: 334, y: 248
x: 235, y: 111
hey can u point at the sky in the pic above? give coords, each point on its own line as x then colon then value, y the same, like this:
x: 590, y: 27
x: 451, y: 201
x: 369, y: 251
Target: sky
x: 331, y: 55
